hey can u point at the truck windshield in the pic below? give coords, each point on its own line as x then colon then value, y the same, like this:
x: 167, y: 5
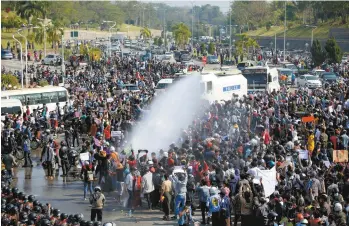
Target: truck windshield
x: 256, y: 78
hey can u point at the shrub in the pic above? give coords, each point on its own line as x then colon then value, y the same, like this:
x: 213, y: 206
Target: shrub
x: 43, y: 82
x: 268, y: 26
x: 7, y: 79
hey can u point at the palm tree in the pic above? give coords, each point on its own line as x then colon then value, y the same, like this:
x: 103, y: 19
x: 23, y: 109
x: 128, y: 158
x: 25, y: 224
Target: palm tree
x: 241, y: 44
x: 29, y: 9
x: 54, y: 33
x: 39, y: 36
x: 145, y: 32
x: 251, y: 42
x: 181, y: 33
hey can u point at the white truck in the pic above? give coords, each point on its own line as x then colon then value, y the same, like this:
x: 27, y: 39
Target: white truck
x: 223, y: 85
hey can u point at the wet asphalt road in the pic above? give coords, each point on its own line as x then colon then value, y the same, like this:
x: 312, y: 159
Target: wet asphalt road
x: 67, y: 195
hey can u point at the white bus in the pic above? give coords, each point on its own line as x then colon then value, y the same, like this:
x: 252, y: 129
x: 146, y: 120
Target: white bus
x: 11, y: 107
x: 261, y: 79
x: 36, y: 97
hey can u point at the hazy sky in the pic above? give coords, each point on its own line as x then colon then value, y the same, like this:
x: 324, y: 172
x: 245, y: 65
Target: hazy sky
x: 223, y: 4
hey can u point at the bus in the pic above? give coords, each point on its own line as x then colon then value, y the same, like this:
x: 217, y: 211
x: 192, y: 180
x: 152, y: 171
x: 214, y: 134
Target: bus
x: 11, y: 107
x: 261, y: 79
x: 36, y: 97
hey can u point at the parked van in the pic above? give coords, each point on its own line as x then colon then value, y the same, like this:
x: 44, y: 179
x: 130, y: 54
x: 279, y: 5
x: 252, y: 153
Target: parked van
x: 10, y: 107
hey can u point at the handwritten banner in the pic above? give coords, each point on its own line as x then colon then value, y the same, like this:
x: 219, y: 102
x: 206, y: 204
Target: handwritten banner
x: 340, y: 156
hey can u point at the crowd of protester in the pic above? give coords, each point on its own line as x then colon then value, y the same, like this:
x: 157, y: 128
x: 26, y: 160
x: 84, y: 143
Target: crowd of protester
x: 213, y: 167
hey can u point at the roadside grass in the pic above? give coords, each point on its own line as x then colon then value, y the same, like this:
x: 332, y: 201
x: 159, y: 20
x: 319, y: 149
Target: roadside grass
x: 300, y: 31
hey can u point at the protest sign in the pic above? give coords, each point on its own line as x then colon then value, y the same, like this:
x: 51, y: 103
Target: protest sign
x: 110, y: 100
x: 303, y: 154
x: 97, y: 142
x: 327, y: 164
x: 268, y: 180
x: 340, y: 156
x: 85, y: 156
x: 308, y: 119
x: 116, y: 133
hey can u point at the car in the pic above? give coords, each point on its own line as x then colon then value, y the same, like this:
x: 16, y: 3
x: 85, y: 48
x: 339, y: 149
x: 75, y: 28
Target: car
x: 212, y: 60
x: 292, y: 67
x: 6, y: 54
x: 168, y: 59
x: 51, y: 59
x: 309, y: 81
x: 318, y: 72
x: 131, y: 88
x: 329, y: 77
x: 245, y: 64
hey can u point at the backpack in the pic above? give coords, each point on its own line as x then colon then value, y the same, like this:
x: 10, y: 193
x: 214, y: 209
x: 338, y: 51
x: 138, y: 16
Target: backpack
x: 224, y: 207
x: 157, y: 180
x: 191, y: 183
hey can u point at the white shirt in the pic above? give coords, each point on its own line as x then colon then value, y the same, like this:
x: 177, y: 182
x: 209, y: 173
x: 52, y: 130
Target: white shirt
x: 129, y: 182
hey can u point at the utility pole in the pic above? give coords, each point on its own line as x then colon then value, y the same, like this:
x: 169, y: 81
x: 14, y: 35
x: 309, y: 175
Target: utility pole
x: 285, y: 34
x: 20, y: 46
x: 192, y: 25
x: 230, y: 30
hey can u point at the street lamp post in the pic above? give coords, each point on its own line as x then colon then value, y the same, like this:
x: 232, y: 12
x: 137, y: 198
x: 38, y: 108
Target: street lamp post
x: 312, y: 33
x: 229, y: 30
x: 63, y: 65
x: 285, y: 34
x: 110, y: 34
x: 44, y: 25
x: 26, y: 55
x: 20, y: 46
x: 192, y: 24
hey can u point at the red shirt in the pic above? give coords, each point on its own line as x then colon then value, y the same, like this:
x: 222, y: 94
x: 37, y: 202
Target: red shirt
x: 333, y: 139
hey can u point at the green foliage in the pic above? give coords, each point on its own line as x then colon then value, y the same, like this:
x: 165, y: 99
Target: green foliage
x: 334, y: 53
x: 145, y: 32
x: 160, y: 41
x: 7, y: 79
x: 255, y: 13
x: 181, y: 33
x: 211, y: 48
x: 43, y: 83
x: 318, y: 54
x: 10, y: 20
x: 156, y: 39
x: 203, y: 48
x: 268, y: 25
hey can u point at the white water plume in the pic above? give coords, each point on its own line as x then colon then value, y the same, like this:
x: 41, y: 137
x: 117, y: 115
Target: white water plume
x: 169, y: 113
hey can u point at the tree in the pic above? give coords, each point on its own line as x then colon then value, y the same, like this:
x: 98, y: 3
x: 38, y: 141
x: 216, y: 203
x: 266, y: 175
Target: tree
x: 145, y: 32
x: 54, y: 33
x: 251, y: 42
x: 203, y: 49
x: 211, y: 48
x: 160, y: 41
x: 181, y: 33
x: 10, y: 20
x: 318, y: 54
x: 334, y: 53
x: 29, y: 9
x: 155, y: 41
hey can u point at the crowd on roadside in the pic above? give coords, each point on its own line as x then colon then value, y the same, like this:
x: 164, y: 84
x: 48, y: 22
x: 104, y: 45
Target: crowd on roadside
x: 217, y: 163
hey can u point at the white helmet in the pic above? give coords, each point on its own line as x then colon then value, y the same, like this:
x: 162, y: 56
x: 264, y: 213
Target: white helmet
x: 213, y: 191
x: 112, y: 149
x: 304, y: 221
x: 97, y: 188
x: 338, y: 207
